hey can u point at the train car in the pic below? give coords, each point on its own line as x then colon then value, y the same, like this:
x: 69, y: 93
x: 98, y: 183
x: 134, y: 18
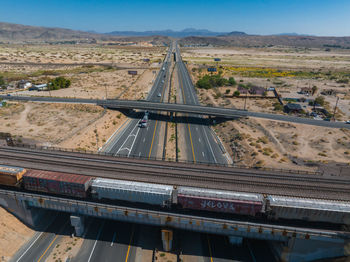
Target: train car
x: 102, y: 188
x: 57, y: 183
x: 11, y: 176
x: 308, y: 209
x: 220, y: 201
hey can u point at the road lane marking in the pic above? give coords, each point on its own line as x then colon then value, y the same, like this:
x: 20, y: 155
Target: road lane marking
x: 48, y: 248
x: 211, y: 149
x: 144, y: 139
x: 113, y: 238
x: 98, y: 236
x: 61, y: 229
x: 199, y: 139
x: 127, y: 253
x: 25, y: 252
x: 189, y: 129
x: 210, y: 253
x: 154, y: 133
x: 203, y: 154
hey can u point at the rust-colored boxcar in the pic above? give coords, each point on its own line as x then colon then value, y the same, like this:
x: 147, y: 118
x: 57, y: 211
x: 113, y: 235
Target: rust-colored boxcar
x: 220, y: 201
x: 10, y: 175
x: 57, y: 183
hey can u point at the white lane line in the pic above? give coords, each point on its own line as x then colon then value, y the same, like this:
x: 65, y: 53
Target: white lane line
x: 140, y: 154
x: 144, y: 139
x: 25, y: 252
x: 203, y: 154
x: 109, y: 139
x: 211, y: 149
x: 199, y: 139
x: 113, y: 238
x: 122, y: 146
x: 98, y: 236
x: 134, y: 141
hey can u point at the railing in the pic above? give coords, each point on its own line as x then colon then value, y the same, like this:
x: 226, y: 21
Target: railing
x: 90, y: 152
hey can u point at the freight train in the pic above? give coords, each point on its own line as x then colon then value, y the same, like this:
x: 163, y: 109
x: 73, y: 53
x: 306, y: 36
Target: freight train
x: 178, y: 197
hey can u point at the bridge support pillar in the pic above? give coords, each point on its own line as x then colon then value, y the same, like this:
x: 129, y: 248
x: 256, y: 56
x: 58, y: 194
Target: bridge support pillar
x: 310, y: 250
x: 167, y: 239
x: 33, y: 217
x: 78, y: 223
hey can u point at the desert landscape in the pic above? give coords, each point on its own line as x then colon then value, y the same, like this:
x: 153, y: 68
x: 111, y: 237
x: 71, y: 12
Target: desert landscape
x: 287, y: 70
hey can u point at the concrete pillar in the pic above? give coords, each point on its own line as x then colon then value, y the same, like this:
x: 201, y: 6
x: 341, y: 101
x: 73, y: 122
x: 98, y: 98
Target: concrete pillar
x: 78, y: 223
x: 235, y: 241
x: 167, y: 239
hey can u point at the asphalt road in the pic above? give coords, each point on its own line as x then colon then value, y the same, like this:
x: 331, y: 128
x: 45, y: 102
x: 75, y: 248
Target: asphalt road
x: 201, y: 144
x: 142, y: 142
x: 112, y: 240
x: 44, y: 242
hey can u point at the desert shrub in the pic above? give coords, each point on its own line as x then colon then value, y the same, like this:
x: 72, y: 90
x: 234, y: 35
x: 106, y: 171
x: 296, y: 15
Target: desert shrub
x: 59, y: 83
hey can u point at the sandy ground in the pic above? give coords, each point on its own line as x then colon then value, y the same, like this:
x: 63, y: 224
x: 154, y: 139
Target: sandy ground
x: 46, y: 123
x: 12, y: 231
x: 265, y: 57
x: 274, y: 144
x: 67, y: 247
x: 80, y: 54
x: 165, y: 257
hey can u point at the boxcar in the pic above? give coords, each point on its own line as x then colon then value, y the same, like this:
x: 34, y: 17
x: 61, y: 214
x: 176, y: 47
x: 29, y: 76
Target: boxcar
x: 308, y: 209
x: 57, y: 183
x: 113, y: 189
x: 220, y: 201
x: 11, y: 176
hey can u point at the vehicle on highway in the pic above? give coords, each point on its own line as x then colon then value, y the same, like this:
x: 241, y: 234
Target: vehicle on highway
x: 143, y: 124
x: 347, y: 122
x: 162, y: 81
x: 114, y: 191
x: 163, y: 68
x: 159, y: 95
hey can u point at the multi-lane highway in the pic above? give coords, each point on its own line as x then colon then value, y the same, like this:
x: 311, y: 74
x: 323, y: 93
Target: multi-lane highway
x: 201, y: 145
x: 133, y: 140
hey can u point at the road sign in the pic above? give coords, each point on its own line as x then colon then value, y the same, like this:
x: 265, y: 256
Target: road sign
x: 146, y: 60
x: 212, y: 69
x: 130, y: 72
x: 217, y: 59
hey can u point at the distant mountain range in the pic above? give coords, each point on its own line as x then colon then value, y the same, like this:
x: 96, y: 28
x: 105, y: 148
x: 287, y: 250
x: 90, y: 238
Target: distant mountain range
x: 171, y: 33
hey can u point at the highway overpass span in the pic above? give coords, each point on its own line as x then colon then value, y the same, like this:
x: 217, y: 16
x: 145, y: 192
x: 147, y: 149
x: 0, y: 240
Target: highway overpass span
x: 180, y: 108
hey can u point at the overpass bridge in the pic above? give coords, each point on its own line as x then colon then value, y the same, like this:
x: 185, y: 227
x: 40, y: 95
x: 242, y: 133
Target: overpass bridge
x: 30, y: 207
x: 178, y: 108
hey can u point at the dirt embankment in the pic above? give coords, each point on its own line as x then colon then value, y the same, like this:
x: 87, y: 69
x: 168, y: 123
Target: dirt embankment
x: 13, y: 234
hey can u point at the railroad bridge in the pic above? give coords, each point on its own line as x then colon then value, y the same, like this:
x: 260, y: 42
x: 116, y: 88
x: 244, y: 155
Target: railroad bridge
x: 287, y: 241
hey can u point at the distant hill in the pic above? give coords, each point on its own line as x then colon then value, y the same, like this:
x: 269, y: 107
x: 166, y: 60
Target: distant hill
x: 22, y: 33
x: 268, y: 41
x: 171, y: 33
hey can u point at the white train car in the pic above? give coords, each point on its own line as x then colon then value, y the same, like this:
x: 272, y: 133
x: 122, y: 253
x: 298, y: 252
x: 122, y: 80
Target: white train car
x: 154, y: 194
x: 308, y: 209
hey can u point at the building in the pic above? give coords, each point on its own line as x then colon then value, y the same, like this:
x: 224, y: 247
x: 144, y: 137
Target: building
x: 292, y: 108
x: 329, y: 92
x: 42, y: 87
x: 24, y: 84
x: 242, y: 89
x: 306, y: 91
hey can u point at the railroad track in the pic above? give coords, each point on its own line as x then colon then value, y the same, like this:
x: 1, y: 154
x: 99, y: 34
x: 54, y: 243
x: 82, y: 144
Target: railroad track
x: 314, y: 187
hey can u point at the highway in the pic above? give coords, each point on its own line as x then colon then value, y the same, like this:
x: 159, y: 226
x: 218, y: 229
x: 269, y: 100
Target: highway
x: 45, y: 240
x: 201, y: 145
x: 142, y: 142
x: 118, y: 240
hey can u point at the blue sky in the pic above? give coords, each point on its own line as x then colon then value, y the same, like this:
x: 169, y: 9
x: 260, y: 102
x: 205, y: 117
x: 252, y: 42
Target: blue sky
x: 316, y: 17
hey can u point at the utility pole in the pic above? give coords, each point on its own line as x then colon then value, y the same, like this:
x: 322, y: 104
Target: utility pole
x: 335, y: 108
x: 106, y: 90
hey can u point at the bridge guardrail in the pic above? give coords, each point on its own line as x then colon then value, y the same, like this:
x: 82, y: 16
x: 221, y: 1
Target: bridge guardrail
x: 89, y: 152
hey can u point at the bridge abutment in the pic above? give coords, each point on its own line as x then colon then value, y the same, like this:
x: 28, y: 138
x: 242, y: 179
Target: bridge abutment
x: 33, y: 217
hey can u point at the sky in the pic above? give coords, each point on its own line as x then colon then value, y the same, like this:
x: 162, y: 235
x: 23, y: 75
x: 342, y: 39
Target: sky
x: 314, y: 17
